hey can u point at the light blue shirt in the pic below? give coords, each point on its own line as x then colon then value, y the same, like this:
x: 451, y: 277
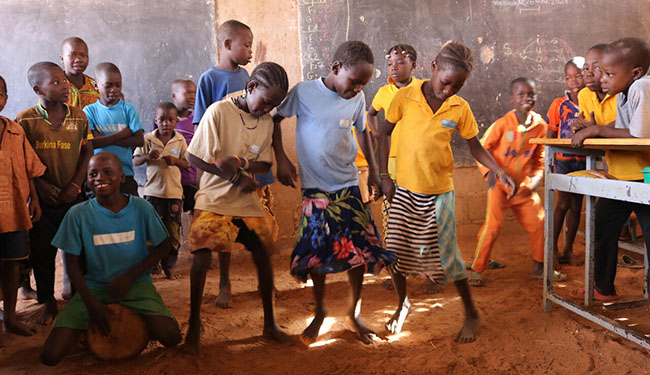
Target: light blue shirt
x: 324, y: 139
x: 110, y: 120
x: 112, y: 242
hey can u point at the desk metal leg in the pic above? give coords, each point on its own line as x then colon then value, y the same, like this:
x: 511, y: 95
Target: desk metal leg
x: 549, y: 206
x: 590, y: 241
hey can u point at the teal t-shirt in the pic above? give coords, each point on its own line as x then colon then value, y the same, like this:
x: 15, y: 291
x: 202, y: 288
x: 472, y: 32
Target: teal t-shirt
x: 113, y: 242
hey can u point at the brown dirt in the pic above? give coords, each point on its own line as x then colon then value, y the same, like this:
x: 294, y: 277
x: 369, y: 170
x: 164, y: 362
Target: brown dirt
x: 515, y: 336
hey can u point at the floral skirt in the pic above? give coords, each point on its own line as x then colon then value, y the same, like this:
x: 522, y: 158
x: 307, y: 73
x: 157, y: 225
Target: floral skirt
x: 336, y: 233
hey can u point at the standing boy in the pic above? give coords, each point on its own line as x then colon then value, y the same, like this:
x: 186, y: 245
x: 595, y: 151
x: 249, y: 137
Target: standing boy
x: 113, y: 230
x: 508, y: 142
x: 59, y: 135
x: 115, y: 124
x: 235, y: 49
x: 74, y: 56
x: 20, y: 208
x: 183, y: 97
x: 164, y: 152
x: 624, y: 64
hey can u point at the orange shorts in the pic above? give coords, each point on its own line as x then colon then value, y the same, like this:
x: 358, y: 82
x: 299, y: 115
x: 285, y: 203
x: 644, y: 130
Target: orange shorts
x: 219, y: 232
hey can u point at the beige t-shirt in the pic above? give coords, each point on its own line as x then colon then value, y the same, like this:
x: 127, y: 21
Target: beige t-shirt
x: 225, y: 130
x: 163, y: 181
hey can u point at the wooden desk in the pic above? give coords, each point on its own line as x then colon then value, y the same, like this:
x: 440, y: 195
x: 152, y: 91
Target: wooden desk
x: 591, y: 188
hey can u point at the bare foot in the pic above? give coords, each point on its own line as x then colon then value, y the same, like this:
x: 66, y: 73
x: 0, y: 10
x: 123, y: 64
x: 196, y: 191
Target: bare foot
x: 468, y: 332
x: 396, y: 322
x: 433, y: 288
x: 276, y: 334
x: 27, y: 294
x: 387, y: 284
x: 310, y: 334
x: 573, y: 259
x: 19, y: 328
x: 170, y: 273
x: 191, y: 344
x: 366, y: 335
x: 224, y: 299
x: 49, y: 313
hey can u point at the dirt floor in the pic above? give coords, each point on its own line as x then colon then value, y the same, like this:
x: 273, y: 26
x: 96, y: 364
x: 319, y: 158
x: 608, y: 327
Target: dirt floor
x: 515, y: 336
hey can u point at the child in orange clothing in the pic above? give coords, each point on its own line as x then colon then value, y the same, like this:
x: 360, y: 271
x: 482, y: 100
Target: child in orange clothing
x: 508, y: 142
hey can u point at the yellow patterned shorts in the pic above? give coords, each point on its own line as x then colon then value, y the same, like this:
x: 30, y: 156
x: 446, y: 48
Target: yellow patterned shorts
x: 219, y: 232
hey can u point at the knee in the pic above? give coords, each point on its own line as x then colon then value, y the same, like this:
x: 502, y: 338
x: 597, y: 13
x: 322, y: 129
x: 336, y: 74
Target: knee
x: 48, y: 358
x: 171, y: 336
x: 202, y: 259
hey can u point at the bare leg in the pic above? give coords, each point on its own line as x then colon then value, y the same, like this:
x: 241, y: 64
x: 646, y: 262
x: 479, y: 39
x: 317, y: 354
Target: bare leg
x: 433, y: 288
x: 355, y: 277
x: 50, y: 312
x: 163, y: 329
x: 58, y: 344
x: 9, y: 274
x: 470, y: 327
x: 200, y: 265
x: 310, y: 334
x: 394, y: 325
x: 224, y: 298
x: 265, y: 285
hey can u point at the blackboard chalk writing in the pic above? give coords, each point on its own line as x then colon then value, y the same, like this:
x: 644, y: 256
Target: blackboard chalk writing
x: 544, y: 59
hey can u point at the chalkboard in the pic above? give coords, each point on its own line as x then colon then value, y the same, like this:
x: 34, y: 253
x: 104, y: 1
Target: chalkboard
x: 153, y: 42
x: 509, y: 38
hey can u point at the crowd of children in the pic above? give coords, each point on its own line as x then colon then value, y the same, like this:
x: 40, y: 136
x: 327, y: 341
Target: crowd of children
x: 211, y: 153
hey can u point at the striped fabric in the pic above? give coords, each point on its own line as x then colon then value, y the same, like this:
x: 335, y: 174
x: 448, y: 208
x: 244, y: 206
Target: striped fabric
x: 422, y: 233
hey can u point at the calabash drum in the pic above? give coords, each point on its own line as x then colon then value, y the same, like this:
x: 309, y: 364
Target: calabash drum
x: 128, y: 337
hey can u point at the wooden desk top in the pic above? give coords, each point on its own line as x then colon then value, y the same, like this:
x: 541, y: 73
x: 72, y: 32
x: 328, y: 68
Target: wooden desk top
x: 625, y: 144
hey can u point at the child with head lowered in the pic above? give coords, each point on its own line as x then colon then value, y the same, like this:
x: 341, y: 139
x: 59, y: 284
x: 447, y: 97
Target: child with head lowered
x: 59, y: 135
x: 20, y: 208
x: 422, y: 223
x: 113, y: 230
x: 562, y: 115
x: 115, y: 124
x: 232, y: 142
x: 336, y: 232
x: 624, y: 64
x: 164, y: 152
x: 74, y: 57
x: 508, y: 140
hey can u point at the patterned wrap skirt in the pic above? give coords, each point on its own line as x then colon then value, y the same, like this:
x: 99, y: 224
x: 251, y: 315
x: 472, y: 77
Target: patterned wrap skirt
x: 422, y: 234
x: 336, y: 233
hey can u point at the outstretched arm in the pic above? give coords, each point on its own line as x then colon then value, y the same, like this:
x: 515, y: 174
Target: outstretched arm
x: 483, y: 156
x: 286, y: 171
x: 387, y: 185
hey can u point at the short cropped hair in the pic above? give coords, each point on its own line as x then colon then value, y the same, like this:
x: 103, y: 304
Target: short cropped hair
x: 456, y: 54
x: 106, y: 67
x: 230, y: 29
x: 578, y: 61
x: 598, y: 47
x: 269, y: 74
x: 633, y: 52
x: 166, y: 106
x: 405, y: 50
x: 180, y: 82
x: 36, y: 72
x: 521, y: 80
x: 351, y: 52
x: 73, y: 40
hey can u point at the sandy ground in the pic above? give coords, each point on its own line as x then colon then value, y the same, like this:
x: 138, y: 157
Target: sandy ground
x: 515, y: 336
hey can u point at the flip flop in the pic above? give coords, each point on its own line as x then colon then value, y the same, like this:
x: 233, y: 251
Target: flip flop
x: 557, y: 276
x: 629, y: 262
x: 475, y: 279
x: 580, y: 294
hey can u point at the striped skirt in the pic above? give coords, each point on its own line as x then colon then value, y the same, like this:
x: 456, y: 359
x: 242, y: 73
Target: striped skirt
x: 422, y: 234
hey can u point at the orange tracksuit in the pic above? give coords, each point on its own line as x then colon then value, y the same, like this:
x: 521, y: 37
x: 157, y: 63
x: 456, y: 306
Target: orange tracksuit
x: 508, y: 143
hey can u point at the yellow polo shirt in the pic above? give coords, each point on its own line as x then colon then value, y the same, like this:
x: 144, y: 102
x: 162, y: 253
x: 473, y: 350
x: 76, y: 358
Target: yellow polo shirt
x: 425, y: 163
x: 624, y: 165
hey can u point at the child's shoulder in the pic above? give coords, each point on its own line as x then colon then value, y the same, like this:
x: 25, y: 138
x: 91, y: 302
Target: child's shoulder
x: 12, y: 125
x: 640, y: 87
x: 28, y: 114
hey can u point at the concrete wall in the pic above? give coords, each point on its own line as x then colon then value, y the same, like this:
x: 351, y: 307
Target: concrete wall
x: 275, y: 29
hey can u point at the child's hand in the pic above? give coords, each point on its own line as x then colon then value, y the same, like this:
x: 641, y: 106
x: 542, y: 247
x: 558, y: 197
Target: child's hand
x: 69, y: 193
x: 120, y: 286
x: 47, y: 192
x: 228, y: 165
x: 509, y: 183
x: 578, y: 138
x: 581, y: 123
x: 388, y: 188
x: 169, y: 159
x: 287, y: 172
x: 491, y: 179
x: 34, y: 210
x: 246, y: 184
x: 98, y: 314
x: 153, y: 155
x: 374, y: 184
